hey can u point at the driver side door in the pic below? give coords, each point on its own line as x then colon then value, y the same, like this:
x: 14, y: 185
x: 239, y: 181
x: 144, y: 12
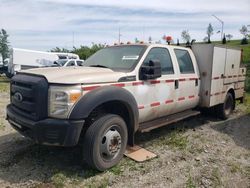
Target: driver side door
x: 156, y: 97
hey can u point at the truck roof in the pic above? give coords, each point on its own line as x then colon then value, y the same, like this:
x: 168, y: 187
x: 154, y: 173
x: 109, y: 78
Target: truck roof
x: 149, y: 44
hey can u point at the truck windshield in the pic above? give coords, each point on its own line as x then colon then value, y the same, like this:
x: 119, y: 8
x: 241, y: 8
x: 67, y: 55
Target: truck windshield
x: 62, y: 61
x: 122, y: 58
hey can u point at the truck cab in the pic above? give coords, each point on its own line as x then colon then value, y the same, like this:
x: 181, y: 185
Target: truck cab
x: 120, y: 90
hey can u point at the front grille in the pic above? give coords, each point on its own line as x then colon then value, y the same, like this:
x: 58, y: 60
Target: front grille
x: 32, y: 103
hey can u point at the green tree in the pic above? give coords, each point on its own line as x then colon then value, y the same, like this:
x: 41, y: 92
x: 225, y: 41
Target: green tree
x: 84, y: 51
x: 57, y: 49
x: 186, y: 36
x: 149, y: 39
x: 136, y: 40
x: 210, y: 30
x: 224, y: 40
x: 229, y: 37
x: 244, y: 31
x: 4, y: 44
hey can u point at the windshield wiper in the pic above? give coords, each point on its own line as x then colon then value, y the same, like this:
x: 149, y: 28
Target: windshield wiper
x: 102, y: 66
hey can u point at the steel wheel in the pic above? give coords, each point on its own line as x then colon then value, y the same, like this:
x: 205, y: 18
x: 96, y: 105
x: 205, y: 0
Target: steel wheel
x: 110, y: 144
x: 105, y: 142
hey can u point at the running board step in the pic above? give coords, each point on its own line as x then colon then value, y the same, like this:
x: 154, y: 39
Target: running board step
x: 160, y: 122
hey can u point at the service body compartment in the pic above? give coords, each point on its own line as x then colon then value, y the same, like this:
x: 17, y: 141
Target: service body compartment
x: 220, y: 70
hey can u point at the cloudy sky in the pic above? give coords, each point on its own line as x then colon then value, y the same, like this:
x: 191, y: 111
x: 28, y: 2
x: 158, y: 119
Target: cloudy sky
x: 45, y: 24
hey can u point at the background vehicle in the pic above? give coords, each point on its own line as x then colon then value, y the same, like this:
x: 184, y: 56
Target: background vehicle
x: 69, y: 62
x: 21, y: 59
x: 63, y: 55
x: 121, y: 90
x: 4, y: 66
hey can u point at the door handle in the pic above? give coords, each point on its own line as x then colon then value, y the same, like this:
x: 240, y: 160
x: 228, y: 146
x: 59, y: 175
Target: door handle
x: 176, y: 84
x: 196, y: 82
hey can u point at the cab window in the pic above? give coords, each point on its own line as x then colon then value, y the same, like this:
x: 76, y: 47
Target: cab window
x: 79, y: 63
x: 162, y: 55
x: 71, y: 63
x: 184, y: 61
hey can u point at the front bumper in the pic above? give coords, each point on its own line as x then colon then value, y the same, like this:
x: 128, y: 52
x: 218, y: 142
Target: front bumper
x: 48, y: 131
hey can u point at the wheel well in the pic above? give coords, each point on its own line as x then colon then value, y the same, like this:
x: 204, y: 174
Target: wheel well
x: 113, y: 107
x: 231, y: 91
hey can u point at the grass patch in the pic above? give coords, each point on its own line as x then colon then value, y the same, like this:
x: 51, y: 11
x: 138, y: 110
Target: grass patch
x: 176, y: 140
x: 234, y: 167
x: 59, y: 180
x: 116, y: 170
x: 247, y: 102
x: 2, y: 125
x: 236, y: 43
x: 100, y: 183
x: 190, y: 182
x: 216, y: 178
x: 4, y: 84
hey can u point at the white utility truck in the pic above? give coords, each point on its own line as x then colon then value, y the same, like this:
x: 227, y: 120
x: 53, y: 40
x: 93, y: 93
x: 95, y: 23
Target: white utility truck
x: 120, y: 90
x: 21, y: 59
x: 65, y: 55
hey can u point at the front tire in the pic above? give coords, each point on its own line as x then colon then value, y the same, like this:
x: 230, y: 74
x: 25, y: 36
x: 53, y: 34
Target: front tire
x: 105, y: 142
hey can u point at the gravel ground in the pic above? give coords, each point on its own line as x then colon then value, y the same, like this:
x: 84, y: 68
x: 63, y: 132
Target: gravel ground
x: 199, y: 152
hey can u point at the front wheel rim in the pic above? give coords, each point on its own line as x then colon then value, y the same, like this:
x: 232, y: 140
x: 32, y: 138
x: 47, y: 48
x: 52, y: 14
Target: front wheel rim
x: 111, y: 144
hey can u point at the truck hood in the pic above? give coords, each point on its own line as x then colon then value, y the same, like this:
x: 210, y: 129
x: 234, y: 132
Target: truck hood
x: 76, y: 75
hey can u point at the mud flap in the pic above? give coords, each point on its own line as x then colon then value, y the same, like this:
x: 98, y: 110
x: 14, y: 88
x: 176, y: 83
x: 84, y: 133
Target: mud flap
x: 139, y: 154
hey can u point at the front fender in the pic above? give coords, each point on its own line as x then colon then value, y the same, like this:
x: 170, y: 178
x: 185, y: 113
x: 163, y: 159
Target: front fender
x: 97, y: 97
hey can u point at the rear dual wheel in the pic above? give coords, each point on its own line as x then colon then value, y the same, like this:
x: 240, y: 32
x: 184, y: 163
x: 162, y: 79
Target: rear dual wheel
x: 225, y: 109
x: 105, y: 142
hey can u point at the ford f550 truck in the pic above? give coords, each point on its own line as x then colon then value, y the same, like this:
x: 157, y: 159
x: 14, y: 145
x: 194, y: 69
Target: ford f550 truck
x: 120, y: 90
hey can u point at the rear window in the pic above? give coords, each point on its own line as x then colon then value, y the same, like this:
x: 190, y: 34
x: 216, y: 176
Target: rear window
x: 184, y: 61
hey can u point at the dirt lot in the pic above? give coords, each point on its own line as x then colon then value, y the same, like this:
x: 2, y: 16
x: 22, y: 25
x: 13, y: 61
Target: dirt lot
x: 199, y: 152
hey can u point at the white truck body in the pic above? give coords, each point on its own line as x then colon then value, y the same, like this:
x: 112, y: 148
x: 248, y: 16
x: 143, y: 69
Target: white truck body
x: 21, y: 59
x: 220, y: 71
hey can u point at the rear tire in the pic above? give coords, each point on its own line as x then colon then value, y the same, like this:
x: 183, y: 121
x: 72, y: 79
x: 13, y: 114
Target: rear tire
x: 225, y: 109
x: 8, y: 75
x: 105, y: 142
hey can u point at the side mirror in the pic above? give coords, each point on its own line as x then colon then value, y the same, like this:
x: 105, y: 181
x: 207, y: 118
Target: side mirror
x: 150, y: 71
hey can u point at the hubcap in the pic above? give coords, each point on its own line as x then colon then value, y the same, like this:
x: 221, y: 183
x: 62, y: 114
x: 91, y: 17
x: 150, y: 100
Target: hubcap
x: 110, y: 144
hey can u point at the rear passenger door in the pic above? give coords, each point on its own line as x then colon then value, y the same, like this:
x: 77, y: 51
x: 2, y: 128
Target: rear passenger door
x: 157, y: 97
x: 187, y: 84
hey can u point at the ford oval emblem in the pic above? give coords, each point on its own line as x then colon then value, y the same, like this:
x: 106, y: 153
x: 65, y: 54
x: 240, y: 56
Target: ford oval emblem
x: 18, y: 96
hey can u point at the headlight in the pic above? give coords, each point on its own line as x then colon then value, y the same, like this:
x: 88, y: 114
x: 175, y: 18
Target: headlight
x: 62, y: 99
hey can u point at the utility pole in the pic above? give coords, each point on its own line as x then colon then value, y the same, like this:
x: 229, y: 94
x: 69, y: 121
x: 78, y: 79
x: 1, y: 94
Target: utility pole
x: 119, y: 36
x: 73, y: 40
x: 143, y: 33
x: 222, y: 25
